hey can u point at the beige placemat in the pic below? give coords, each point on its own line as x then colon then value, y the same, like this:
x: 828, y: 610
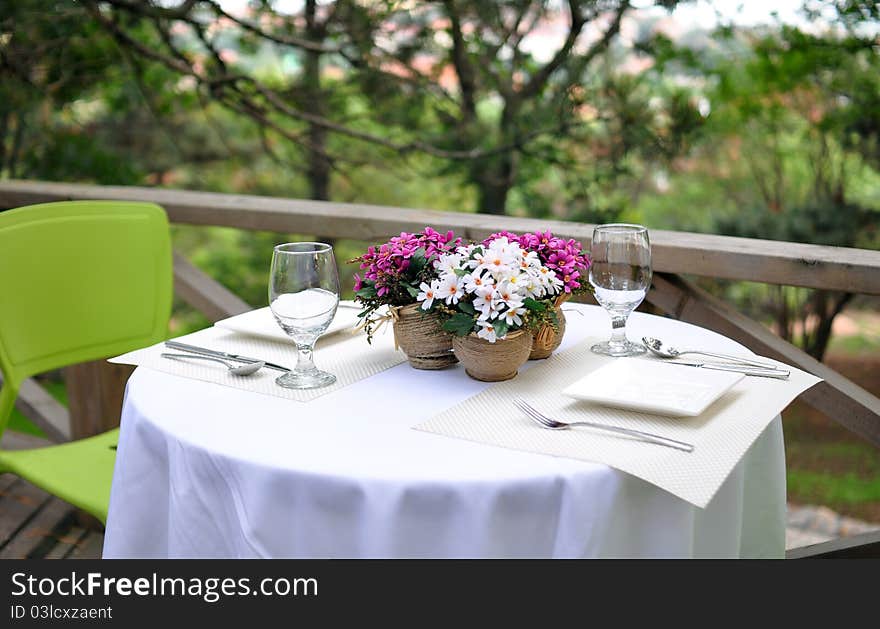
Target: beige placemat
x: 721, y: 435
x: 348, y: 357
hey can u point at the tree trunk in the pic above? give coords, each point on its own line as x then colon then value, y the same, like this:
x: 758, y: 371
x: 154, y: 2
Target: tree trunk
x: 318, y: 163
x: 319, y: 166
x: 495, y: 176
x: 493, y: 196
x: 818, y: 344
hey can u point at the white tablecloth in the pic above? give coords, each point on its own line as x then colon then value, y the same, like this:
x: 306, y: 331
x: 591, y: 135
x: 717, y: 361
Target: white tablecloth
x: 208, y: 471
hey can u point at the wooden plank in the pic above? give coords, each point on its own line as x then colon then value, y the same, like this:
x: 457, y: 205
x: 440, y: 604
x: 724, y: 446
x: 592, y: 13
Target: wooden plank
x: 42, y: 409
x: 14, y: 440
x: 864, y: 546
x: 19, y: 504
x: 95, y: 391
x: 204, y: 293
x: 89, y: 547
x: 839, y: 398
x: 774, y: 262
x: 45, y: 411
x: 6, y: 481
x: 41, y: 533
x: 66, y: 543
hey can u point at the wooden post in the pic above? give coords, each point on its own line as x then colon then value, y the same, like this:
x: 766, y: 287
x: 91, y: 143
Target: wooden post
x: 95, y: 391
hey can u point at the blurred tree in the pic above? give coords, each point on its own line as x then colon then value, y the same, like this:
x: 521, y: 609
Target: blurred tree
x: 49, y: 60
x: 462, y: 82
x: 795, y: 121
x: 72, y: 109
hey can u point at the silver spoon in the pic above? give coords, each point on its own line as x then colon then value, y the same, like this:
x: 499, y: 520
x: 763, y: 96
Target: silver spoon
x: 246, y: 369
x: 656, y: 346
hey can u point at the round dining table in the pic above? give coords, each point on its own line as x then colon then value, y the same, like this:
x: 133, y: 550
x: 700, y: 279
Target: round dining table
x: 208, y: 471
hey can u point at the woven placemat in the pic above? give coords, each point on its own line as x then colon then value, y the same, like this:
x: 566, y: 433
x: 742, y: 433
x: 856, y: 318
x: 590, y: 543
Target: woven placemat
x: 721, y: 435
x: 346, y: 356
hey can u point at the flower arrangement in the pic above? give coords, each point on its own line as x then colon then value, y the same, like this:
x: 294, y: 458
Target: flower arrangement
x: 566, y: 258
x: 505, y: 283
x: 393, y: 271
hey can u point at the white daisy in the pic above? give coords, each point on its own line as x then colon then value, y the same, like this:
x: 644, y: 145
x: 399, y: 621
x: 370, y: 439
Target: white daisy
x: 513, y: 316
x: 474, y: 281
x: 509, y: 293
x: 487, y: 331
x: 448, y: 263
x: 428, y: 294
x: 450, y: 288
x: 486, y: 302
x: 496, y: 260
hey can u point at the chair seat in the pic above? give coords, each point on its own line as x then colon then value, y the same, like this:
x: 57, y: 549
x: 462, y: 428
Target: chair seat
x: 79, y: 472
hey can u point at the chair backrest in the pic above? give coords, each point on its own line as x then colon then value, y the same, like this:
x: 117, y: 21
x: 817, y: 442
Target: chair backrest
x: 79, y: 281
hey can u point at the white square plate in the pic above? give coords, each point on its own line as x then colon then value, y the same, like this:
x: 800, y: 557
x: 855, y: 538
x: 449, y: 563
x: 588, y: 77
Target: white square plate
x: 653, y: 386
x: 261, y: 322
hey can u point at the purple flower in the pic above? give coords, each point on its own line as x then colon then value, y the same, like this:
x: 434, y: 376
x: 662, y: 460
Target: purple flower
x: 566, y: 258
x: 511, y: 237
x: 386, y: 265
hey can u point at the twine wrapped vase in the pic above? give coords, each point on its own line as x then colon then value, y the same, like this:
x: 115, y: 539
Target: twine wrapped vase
x: 493, y: 362
x: 421, y: 337
x: 547, y: 338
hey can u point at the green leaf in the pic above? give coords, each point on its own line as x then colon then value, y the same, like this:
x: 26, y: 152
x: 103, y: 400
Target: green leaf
x: 468, y: 307
x: 501, y: 327
x: 367, y: 292
x: 461, y: 272
x: 412, y: 290
x: 534, y: 305
x: 460, y: 324
x: 417, y: 262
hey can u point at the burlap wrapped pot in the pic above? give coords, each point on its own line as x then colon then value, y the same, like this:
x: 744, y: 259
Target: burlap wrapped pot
x: 493, y: 362
x: 547, y: 338
x: 421, y: 337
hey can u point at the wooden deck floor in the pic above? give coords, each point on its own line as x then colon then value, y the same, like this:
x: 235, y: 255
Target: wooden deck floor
x: 35, y: 525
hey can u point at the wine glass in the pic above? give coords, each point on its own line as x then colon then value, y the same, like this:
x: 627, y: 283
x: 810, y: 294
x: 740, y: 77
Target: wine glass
x: 621, y: 276
x: 303, y: 296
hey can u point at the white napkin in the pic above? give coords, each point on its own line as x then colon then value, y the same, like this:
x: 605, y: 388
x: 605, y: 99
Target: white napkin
x: 261, y: 322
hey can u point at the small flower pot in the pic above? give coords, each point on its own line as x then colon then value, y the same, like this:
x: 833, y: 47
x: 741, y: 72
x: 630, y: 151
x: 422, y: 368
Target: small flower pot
x: 422, y: 338
x: 547, y: 338
x: 493, y: 362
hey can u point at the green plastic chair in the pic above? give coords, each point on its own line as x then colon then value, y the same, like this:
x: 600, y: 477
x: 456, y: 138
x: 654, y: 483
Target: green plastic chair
x: 79, y: 281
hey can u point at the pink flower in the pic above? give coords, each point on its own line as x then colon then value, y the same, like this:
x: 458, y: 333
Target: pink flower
x: 565, y: 257
x: 385, y: 266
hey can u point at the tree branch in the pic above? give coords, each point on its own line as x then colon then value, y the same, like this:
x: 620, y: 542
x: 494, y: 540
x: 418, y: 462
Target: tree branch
x: 460, y: 61
x: 540, y: 78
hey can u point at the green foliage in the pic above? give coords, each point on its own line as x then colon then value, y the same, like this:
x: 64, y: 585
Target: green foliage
x: 767, y: 133
x: 534, y: 305
x: 460, y: 323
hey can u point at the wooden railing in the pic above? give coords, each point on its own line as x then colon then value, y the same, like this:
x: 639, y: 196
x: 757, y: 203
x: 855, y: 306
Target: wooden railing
x: 675, y: 254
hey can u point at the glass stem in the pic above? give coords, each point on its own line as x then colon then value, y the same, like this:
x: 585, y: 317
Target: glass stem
x: 618, y: 329
x: 304, y: 362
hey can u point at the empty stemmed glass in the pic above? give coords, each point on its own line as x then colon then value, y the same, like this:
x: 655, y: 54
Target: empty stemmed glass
x: 303, y: 296
x: 621, y: 276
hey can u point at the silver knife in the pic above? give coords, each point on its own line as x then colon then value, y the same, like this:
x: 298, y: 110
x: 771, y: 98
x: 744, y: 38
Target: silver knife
x: 212, y: 352
x: 779, y: 374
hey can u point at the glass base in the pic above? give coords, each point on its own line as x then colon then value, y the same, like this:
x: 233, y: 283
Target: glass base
x: 624, y: 348
x: 310, y: 380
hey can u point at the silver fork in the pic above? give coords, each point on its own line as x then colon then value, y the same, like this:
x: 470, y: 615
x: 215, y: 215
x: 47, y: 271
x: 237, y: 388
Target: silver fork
x: 551, y: 424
